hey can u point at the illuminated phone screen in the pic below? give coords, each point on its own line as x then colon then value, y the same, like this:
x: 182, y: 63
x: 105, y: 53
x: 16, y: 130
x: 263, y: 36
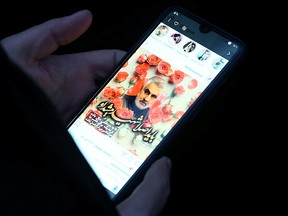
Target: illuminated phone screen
x: 149, y: 94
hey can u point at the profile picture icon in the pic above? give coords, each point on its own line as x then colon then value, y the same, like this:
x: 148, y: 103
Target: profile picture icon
x: 175, y: 38
x: 218, y: 63
x: 203, y: 54
x: 189, y: 46
x: 161, y: 30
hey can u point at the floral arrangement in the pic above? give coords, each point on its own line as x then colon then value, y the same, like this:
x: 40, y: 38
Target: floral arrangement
x: 163, y: 109
x: 179, y: 93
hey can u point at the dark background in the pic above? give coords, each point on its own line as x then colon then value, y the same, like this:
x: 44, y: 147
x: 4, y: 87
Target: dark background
x: 217, y: 161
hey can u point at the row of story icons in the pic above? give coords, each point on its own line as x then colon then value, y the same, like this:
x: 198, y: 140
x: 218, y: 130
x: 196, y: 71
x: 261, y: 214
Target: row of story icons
x: 188, y: 46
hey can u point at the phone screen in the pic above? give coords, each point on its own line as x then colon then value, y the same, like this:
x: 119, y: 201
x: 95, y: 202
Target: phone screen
x: 180, y: 59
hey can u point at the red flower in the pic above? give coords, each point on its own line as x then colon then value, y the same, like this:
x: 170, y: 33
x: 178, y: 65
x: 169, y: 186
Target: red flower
x: 164, y: 68
x: 153, y: 60
x: 119, y: 91
x: 147, y: 124
x: 124, y: 113
x: 121, y: 76
x: 167, y: 109
x: 167, y: 118
x: 142, y: 70
x: 156, y: 104
x: 117, y: 102
x: 177, y: 77
x: 142, y: 58
x: 160, y: 101
x: 108, y: 93
x: 155, y: 115
x: 179, y: 114
x: 111, y: 93
x: 179, y: 90
x: 193, y: 84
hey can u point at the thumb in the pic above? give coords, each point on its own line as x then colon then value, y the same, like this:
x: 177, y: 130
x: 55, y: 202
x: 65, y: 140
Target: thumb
x: 151, y: 195
x: 43, y: 39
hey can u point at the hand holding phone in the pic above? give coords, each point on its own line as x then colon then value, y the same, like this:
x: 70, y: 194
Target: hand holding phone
x: 159, y: 87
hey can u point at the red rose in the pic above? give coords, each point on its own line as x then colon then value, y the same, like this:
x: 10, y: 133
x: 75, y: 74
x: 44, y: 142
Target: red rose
x: 167, y: 109
x: 179, y: 114
x: 121, y: 76
x: 119, y: 91
x: 179, y: 90
x: 176, y: 77
x: 155, y: 115
x: 111, y: 93
x: 108, y: 93
x: 142, y: 58
x: 153, y: 60
x: 124, y: 113
x: 167, y: 118
x: 117, y: 102
x: 193, y: 84
x: 142, y: 70
x: 164, y: 68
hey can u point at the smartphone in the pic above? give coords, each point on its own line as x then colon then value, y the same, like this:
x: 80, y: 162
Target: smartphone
x: 156, y: 91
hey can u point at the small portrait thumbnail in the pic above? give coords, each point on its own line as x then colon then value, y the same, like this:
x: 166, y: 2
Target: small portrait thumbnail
x: 189, y: 46
x: 162, y: 30
x: 175, y: 38
x: 204, y: 54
